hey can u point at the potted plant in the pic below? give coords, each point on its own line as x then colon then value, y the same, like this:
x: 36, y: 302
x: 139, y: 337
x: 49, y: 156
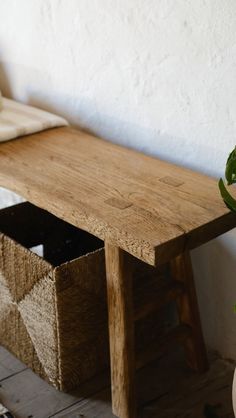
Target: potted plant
x: 230, y: 175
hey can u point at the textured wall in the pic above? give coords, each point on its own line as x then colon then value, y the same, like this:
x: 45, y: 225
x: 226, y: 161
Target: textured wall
x: 157, y: 75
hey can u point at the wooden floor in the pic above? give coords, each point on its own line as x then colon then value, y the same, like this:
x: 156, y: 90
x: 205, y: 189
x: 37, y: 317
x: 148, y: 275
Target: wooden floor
x: 166, y: 389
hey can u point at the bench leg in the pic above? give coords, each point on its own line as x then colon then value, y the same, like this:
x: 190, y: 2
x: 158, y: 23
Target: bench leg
x: 121, y: 330
x: 181, y: 269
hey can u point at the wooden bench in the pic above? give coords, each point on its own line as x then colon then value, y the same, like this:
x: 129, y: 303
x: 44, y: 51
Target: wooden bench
x: 141, y: 207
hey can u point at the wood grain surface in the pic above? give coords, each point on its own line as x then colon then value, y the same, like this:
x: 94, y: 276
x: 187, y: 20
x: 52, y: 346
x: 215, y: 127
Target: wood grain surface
x: 152, y: 209
x: 121, y: 330
x: 188, y: 310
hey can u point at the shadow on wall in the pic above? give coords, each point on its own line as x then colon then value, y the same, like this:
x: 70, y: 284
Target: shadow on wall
x: 83, y: 113
x: 214, y: 266
x: 5, y: 86
x: 38, y: 89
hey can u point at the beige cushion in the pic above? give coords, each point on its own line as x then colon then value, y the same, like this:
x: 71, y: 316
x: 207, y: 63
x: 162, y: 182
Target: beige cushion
x: 18, y: 119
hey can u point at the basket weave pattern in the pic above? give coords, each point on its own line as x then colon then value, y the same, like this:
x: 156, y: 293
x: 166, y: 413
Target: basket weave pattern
x: 53, y: 309
x: 53, y: 319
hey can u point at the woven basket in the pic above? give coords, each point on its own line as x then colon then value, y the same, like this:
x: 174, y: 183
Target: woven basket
x: 52, y: 308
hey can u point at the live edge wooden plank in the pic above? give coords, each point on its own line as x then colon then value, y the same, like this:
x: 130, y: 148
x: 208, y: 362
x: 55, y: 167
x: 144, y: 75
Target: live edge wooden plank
x: 150, y: 208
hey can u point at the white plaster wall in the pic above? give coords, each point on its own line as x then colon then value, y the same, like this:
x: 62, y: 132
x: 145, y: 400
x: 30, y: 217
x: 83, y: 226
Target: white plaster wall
x: 157, y: 75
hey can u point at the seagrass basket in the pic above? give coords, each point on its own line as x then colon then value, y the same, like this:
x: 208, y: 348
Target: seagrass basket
x: 52, y: 305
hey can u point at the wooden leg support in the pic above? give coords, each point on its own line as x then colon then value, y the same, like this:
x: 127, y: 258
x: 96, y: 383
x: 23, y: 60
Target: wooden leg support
x: 121, y: 324
x: 181, y: 269
x: 121, y: 331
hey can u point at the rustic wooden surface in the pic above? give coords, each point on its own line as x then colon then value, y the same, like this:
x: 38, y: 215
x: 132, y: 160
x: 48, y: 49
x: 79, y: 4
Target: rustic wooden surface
x: 121, y: 330
x: 150, y: 208
x: 187, y: 303
x: 166, y: 389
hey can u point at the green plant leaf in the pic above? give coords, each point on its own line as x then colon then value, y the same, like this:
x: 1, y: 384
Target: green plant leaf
x: 226, y: 196
x: 230, y: 170
x: 230, y: 174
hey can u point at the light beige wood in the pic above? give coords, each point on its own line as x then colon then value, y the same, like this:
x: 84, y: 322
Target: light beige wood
x: 188, y: 312
x: 140, y: 205
x: 150, y: 208
x: 121, y: 330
